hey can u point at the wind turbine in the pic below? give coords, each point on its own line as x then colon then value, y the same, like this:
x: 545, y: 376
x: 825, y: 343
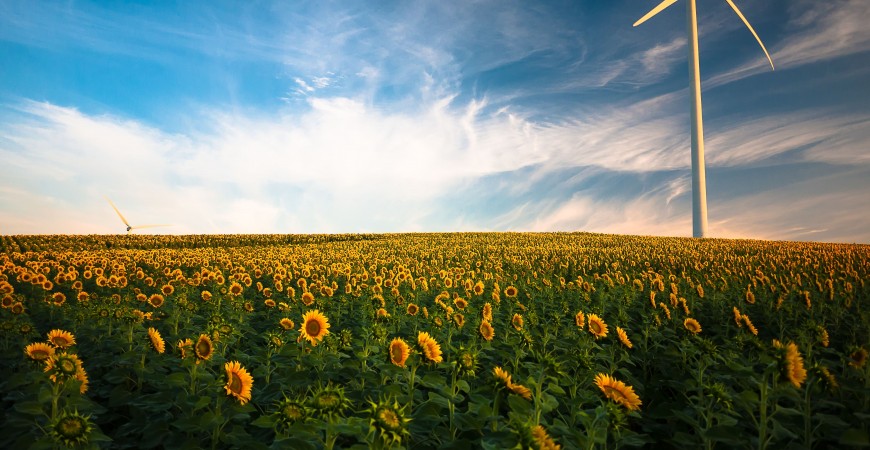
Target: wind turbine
x: 699, y: 179
x: 130, y: 227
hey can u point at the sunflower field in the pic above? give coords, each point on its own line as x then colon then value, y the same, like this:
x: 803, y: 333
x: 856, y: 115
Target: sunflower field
x: 462, y: 340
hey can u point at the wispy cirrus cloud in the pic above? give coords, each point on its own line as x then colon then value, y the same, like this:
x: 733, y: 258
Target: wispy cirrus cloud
x: 816, y: 31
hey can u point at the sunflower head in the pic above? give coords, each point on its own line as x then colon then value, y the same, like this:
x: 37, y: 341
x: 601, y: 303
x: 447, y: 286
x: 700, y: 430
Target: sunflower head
x: 239, y: 382
x: 156, y: 340
x: 597, y: 326
x: 858, y: 358
x: 399, y: 352
x: 185, y: 347
x: 692, y: 325
x: 62, y: 366
x: 623, y: 337
x: 345, y: 339
x: 429, y: 347
x: 329, y: 401
x: 314, y: 326
x: 466, y: 362
x: 39, y: 351
x: 791, y: 363
x: 486, y: 330
x: 274, y: 341
x: 517, y: 322
x: 618, y: 391
x: 388, y: 422
x: 71, y: 429
x: 291, y: 411
x: 61, y: 339
x: 204, y: 347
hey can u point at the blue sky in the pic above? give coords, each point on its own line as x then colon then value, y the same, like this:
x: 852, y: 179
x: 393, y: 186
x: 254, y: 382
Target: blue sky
x: 324, y: 117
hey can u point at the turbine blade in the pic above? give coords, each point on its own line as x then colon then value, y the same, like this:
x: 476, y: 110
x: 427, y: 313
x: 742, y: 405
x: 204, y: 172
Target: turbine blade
x: 150, y: 226
x: 116, y: 210
x: 654, y: 11
x: 746, y: 22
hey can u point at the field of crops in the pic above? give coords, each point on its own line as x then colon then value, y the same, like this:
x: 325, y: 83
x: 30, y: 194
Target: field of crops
x: 468, y: 340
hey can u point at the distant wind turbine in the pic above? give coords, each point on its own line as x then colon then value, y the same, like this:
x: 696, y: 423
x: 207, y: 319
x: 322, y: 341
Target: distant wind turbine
x: 699, y: 179
x: 130, y: 227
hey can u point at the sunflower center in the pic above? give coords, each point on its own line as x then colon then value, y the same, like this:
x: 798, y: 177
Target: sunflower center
x: 595, y: 326
x: 389, y: 418
x: 293, y: 412
x: 327, y: 401
x: 397, y: 352
x: 67, y: 366
x: 613, y: 393
x: 70, y: 427
x: 235, y: 383
x: 60, y: 341
x: 312, y: 328
x: 203, y: 348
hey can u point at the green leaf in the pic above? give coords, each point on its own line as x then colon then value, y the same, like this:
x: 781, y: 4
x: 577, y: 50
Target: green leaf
x: 855, y: 437
x: 31, y: 408
x: 267, y: 421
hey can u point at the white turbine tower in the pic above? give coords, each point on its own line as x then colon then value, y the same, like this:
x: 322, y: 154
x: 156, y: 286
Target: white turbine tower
x: 130, y: 227
x: 699, y: 180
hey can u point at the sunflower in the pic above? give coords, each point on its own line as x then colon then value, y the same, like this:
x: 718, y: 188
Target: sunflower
x: 239, y: 382
x: 286, y: 324
x: 487, y: 312
x: 206, y: 296
x: 738, y: 318
x: 308, y: 298
x: 71, y: 429
x: 388, y: 422
x: 692, y: 325
x: 459, y: 320
x: 745, y: 319
x: 62, y: 366
x: 517, y: 322
x: 824, y: 339
x: 521, y: 390
x: 399, y: 352
x: 82, y: 377
x: 486, y: 330
x: 236, y: 289
x: 597, y: 326
x: 39, y: 351
x: 156, y: 300
x: 61, y: 339
x: 623, y: 337
x: 413, y: 309
x: 156, y: 340
x: 793, y: 363
x: 858, y: 358
x: 510, y: 292
x: 17, y: 308
x: 543, y: 441
x: 291, y: 411
x: 429, y: 346
x: 185, y: 347
x: 167, y: 289
x: 618, y: 391
x: 460, y: 303
x: 580, y: 319
x: 314, y: 326
x: 382, y: 314
x: 58, y: 299
x: 204, y: 348
x: 269, y: 303
x: 502, y: 376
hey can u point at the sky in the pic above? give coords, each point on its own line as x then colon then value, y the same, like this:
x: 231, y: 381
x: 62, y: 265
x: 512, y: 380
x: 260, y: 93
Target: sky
x: 398, y: 116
